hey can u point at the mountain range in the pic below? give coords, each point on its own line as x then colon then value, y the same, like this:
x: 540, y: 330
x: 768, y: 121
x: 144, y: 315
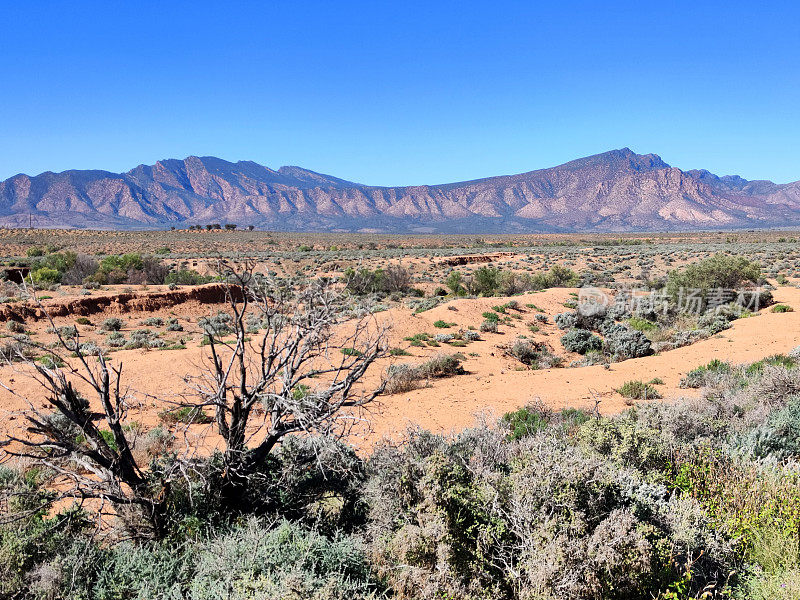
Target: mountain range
x: 614, y: 191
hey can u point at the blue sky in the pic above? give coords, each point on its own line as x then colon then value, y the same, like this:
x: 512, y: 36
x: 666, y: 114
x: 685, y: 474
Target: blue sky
x: 396, y: 93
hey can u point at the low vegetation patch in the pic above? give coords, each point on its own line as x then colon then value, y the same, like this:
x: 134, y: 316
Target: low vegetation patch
x: 638, y: 390
x: 404, y: 377
x: 580, y: 341
x: 705, y: 375
x: 187, y: 414
x: 443, y: 324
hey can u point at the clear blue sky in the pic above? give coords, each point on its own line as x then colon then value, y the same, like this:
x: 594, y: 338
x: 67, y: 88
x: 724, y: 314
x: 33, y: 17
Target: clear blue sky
x: 400, y: 92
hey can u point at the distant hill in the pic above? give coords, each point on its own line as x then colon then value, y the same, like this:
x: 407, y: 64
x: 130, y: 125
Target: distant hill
x: 614, y: 191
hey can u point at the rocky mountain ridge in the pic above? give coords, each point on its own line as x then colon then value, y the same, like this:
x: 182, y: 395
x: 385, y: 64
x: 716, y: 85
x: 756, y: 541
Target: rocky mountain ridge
x: 614, y: 191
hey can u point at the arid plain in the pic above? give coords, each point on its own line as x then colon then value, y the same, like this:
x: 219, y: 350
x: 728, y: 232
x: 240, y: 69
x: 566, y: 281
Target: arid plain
x: 425, y: 317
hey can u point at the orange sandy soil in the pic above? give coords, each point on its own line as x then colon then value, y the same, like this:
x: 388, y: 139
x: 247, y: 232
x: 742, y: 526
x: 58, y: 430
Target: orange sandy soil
x: 494, y: 384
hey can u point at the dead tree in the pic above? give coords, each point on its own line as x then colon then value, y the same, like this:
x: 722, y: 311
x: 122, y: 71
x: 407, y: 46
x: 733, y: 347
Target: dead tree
x: 298, y: 371
x: 86, y: 462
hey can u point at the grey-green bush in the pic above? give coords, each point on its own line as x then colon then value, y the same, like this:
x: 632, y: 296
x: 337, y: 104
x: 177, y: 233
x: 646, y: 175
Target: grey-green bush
x: 581, y: 341
x: 624, y: 342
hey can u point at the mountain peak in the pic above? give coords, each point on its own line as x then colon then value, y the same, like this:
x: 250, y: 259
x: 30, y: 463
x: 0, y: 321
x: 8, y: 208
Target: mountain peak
x: 624, y: 158
x: 618, y: 190
x: 648, y: 160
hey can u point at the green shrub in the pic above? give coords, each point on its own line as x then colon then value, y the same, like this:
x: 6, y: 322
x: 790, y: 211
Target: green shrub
x: 45, y: 276
x: 108, y: 438
x: 560, y: 276
x: 485, y: 281
x: 250, y: 561
x: 706, y: 374
x: 782, y: 308
x: 780, y: 584
x: 378, y: 280
x: 29, y: 536
x: 759, y: 508
x: 300, y: 391
x: 642, y: 324
x: 122, y: 263
x: 776, y: 360
x: 186, y: 277
x: 720, y: 271
x: 115, y: 269
x: 50, y: 361
x: 443, y: 511
x: 524, y: 421
x: 184, y: 414
x: 638, y: 390
x: 574, y: 416
x: 35, y: 251
x: 455, y: 283
x: 395, y: 278
x: 256, y: 562
x: 418, y: 337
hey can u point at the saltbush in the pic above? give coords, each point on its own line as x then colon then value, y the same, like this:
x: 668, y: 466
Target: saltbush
x: 217, y: 325
x: 698, y: 498
x: 112, y: 324
x: 404, y: 377
x: 623, y: 342
x: 706, y: 375
x: 489, y: 326
x: 580, y: 341
x: 778, y: 438
x: 566, y: 320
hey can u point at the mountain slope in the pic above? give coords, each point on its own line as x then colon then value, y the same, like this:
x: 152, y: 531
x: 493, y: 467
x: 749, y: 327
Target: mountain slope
x: 614, y: 191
